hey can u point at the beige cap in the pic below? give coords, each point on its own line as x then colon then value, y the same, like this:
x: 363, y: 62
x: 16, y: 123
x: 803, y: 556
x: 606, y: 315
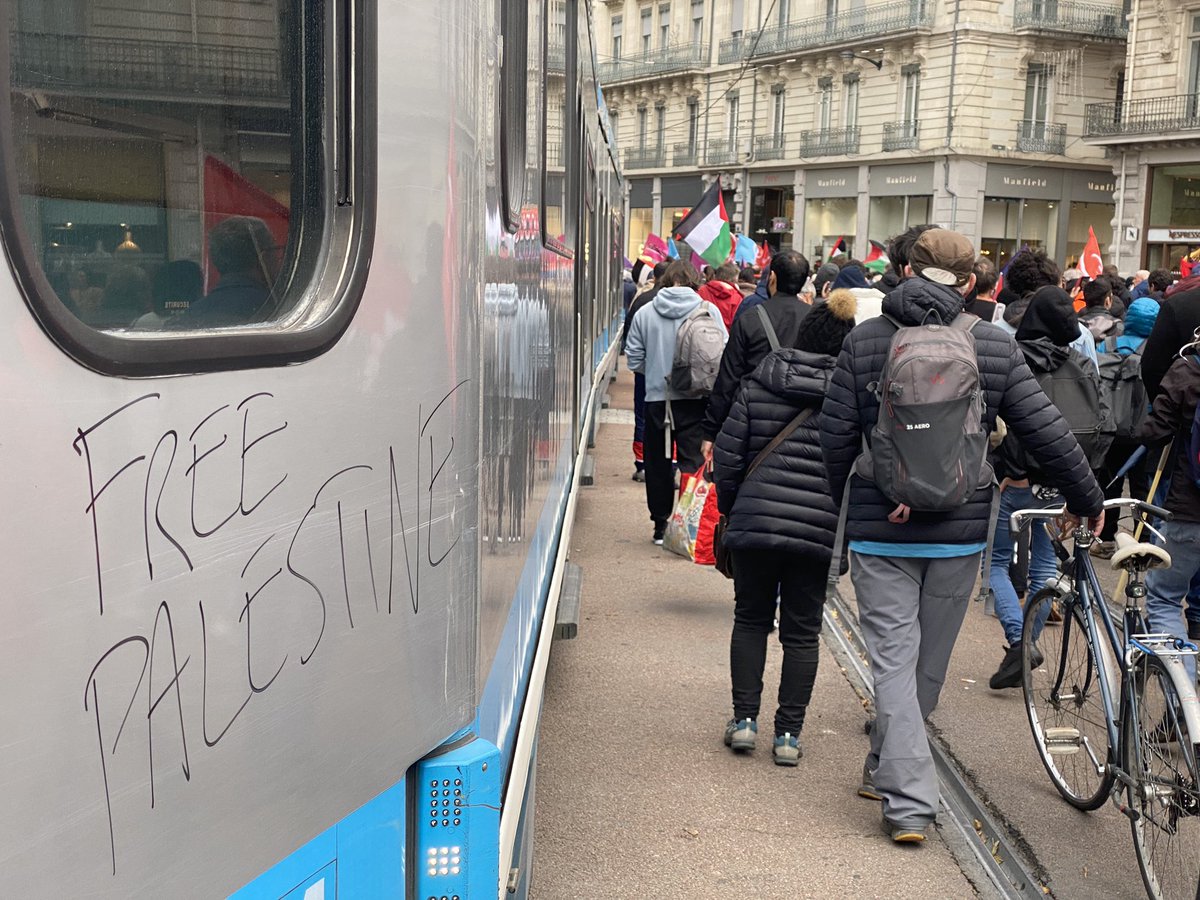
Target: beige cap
x: 943, y: 256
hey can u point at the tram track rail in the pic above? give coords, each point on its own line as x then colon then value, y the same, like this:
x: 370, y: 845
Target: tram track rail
x: 991, y: 857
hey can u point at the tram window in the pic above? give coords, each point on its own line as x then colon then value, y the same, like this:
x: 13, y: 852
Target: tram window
x: 159, y: 159
x: 560, y: 85
x: 514, y: 69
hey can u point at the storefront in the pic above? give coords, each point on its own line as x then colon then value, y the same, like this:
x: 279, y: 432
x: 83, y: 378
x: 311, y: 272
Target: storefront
x: 641, y: 215
x: 1020, y: 209
x: 901, y: 196
x: 1046, y: 209
x: 1089, y: 205
x: 678, y: 195
x: 830, y: 210
x: 1173, y: 217
x: 773, y: 208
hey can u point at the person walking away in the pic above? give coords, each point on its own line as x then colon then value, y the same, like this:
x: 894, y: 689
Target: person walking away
x: 898, y: 251
x: 1159, y: 281
x: 854, y: 279
x: 1178, y: 319
x: 721, y: 291
x: 913, y: 570
x: 781, y: 523
x: 1096, y: 315
x: 1120, y: 373
x: 984, y: 304
x: 1140, y: 285
x: 1045, y: 335
x: 755, y: 334
x: 646, y: 294
x: 746, y: 283
x: 672, y: 416
x: 1121, y: 298
x: 1028, y: 271
x: 1172, y: 418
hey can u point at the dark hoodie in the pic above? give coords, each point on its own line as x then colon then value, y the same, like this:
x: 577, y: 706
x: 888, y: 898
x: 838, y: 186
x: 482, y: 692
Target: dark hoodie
x: 851, y: 409
x: 785, y: 505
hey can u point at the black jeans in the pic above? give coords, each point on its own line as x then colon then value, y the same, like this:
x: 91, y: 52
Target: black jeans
x: 656, y: 457
x: 799, y: 581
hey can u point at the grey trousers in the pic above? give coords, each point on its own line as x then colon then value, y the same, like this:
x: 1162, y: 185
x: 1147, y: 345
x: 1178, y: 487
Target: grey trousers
x: 911, y: 611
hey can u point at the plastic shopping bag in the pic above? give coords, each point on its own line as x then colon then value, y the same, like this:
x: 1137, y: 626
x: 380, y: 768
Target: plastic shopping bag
x: 684, y: 524
x: 706, y: 548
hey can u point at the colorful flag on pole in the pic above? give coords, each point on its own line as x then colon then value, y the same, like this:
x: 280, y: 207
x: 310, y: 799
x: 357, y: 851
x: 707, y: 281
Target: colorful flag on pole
x: 764, y: 255
x: 706, y: 227
x: 839, y: 247
x: 1090, y: 260
x: 877, y: 259
x: 672, y: 250
x: 655, y: 247
x: 746, y: 251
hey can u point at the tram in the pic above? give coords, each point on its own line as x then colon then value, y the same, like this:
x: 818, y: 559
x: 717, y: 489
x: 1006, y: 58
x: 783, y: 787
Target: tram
x: 307, y: 310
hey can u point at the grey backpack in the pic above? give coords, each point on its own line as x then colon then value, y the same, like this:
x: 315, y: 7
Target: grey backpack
x: 1121, y: 380
x: 699, y: 344
x: 928, y: 449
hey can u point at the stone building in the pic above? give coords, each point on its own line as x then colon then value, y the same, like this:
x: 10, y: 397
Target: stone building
x: 1151, y: 131
x: 835, y: 118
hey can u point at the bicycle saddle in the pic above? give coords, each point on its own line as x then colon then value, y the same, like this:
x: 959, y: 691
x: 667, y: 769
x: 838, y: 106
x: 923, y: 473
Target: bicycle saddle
x: 1138, y: 554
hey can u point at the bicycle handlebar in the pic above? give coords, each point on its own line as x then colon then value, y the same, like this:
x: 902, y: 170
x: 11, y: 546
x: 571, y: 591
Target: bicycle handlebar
x: 1018, y: 520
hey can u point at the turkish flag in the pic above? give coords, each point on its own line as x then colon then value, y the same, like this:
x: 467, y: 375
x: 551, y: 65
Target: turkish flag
x: 1090, y: 260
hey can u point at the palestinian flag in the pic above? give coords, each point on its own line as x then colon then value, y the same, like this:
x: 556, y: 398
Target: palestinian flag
x: 706, y: 227
x: 877, y: 259
x: 839, y: 247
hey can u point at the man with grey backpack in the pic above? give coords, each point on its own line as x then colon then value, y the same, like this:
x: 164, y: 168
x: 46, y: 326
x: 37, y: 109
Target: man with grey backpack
x: 923, y: 385
x: 676, y: 342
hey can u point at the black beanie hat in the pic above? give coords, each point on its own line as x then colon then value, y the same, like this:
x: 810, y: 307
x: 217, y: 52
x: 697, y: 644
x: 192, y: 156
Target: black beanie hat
x: 827, y: 324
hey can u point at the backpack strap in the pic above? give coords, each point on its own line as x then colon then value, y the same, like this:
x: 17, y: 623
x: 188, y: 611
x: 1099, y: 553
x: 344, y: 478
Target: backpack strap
x: 783, y: 435
x: 1110, y: 344
x: 965, y: 321
x: 986, y: 562
x: 772, y: 337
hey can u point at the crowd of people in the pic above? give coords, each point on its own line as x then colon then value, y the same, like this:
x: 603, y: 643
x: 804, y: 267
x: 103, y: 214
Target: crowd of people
x: 125, y: 290
x: 887, y: 425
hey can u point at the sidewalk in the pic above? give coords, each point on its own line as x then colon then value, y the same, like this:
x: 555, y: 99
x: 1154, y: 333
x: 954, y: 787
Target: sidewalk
x: 637, y: 796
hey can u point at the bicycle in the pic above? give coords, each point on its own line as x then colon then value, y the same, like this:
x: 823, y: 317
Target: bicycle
x: 1124, y: 729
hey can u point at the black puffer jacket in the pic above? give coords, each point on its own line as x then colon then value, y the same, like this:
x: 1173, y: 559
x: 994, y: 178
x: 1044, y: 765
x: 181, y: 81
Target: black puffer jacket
x: 748, y: 344
x: 785, y: 505
x: 851, y: 409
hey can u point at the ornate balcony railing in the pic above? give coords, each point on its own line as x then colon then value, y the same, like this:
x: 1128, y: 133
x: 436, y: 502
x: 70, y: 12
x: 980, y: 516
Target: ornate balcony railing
x: 901, y: 135
x: 645, y: 157
x: 770, y: 146
x: 1041, y: 137
x: 1085, y: 21
x: 556, y: 58
x: 1151, y: 116
x: 721, y: 152
x: 654, y: 62
x: 847, y: 26
x: 733, y: 49
x: 829, y: 142
x: 59, y: 62
x: 685, y: 155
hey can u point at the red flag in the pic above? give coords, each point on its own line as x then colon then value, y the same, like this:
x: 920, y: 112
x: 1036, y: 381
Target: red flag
x: 227, y: 193
x: 877, y: 252
x: 763, y: 256
x: 1090, y: 260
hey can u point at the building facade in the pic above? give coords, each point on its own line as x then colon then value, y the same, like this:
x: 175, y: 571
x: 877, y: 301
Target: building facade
x: 832, y: 118
x: 1151, y: 132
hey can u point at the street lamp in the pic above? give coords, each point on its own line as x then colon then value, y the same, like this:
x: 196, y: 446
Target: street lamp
x: 849, y: 55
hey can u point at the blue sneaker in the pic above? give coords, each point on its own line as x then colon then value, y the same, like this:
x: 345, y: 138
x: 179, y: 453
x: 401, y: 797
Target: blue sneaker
x: 787, y: 750
x: 740, y: 734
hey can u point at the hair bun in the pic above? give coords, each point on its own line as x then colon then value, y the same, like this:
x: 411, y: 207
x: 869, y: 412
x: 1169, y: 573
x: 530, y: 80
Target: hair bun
x: 842, y: 304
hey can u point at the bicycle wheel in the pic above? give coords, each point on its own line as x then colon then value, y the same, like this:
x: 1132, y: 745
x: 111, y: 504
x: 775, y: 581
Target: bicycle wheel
x: 1062, y: 700
x: 1160, y: 756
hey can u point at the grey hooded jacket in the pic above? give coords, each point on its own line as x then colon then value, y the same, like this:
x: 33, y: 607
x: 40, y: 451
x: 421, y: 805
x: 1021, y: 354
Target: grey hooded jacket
x: 650, y: 347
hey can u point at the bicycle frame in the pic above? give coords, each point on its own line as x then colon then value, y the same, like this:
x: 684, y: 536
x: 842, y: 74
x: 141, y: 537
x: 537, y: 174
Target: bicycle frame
x: 1109, y: 646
